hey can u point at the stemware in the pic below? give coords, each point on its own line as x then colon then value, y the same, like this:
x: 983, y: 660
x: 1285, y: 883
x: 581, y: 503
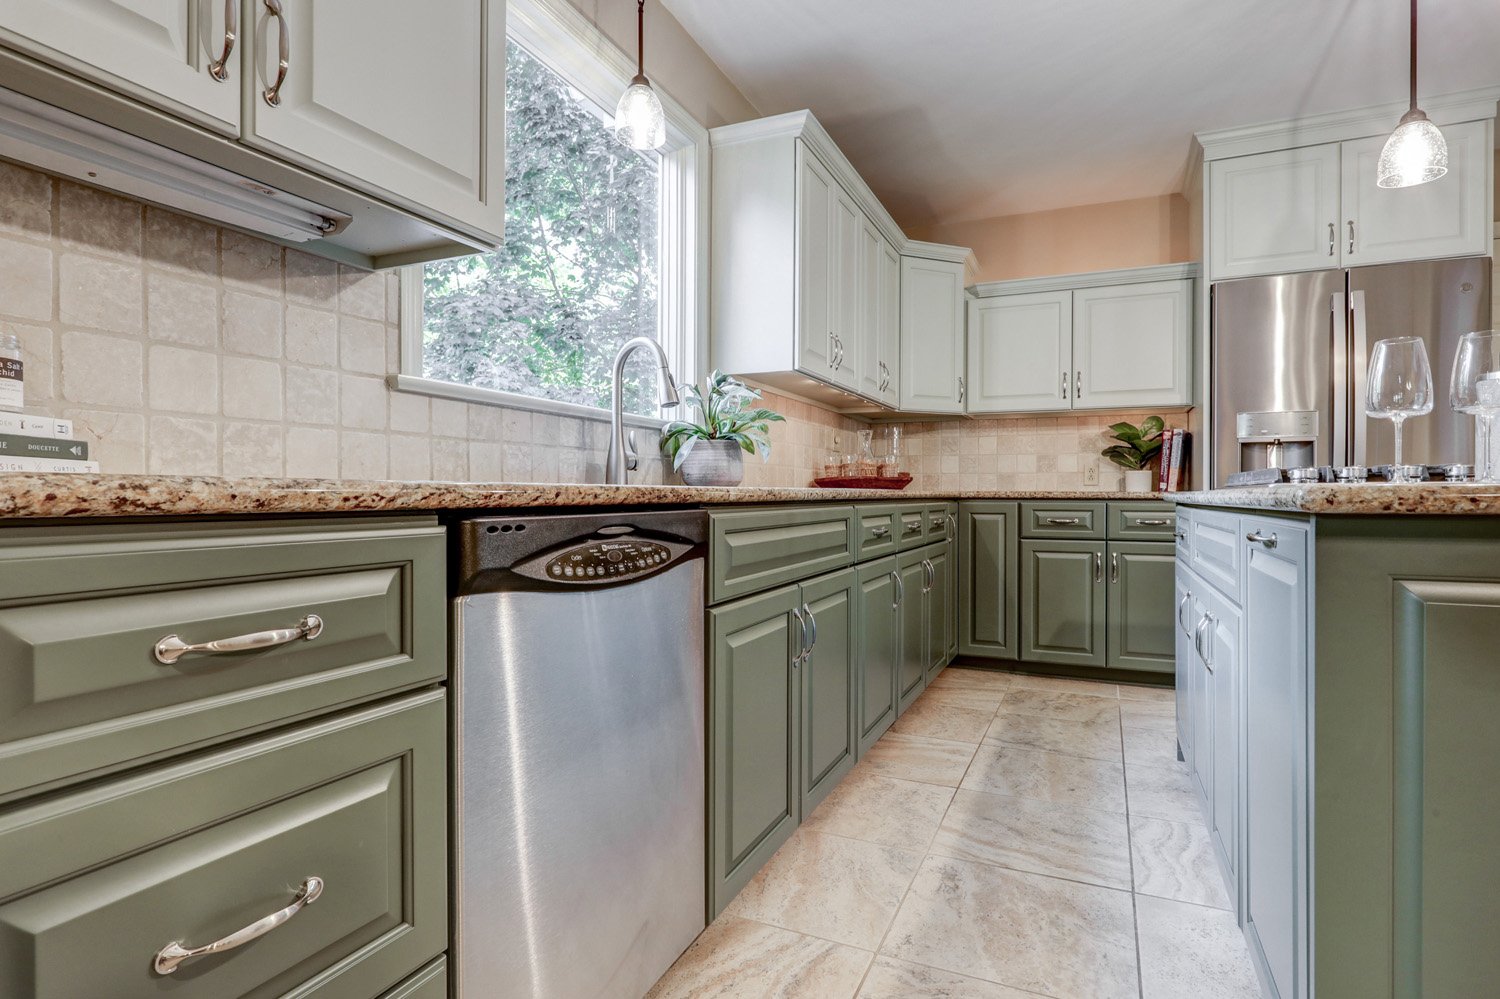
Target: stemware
x: 1475, y: 389
x: 1399, y: 386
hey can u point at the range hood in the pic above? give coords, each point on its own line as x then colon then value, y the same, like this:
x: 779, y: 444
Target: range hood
x: 70, y: 145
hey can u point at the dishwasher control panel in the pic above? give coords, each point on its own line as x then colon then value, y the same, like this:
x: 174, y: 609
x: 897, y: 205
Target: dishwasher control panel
x: 601, y: 560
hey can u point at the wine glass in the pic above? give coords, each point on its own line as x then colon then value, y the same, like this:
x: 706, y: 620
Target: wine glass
x: 1399, y: 386
x: 1475, y: 389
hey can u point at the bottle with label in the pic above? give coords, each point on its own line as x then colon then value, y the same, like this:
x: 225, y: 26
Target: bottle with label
x: 12, y: 382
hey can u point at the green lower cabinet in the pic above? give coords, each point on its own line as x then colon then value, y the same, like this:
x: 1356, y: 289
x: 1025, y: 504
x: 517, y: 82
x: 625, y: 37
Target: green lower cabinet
x: 1139, y: 608
x: 911, y: 594
x: 879, y: 649
x: 1063, y: 598
x: 830, y: 743
x: 942, y: 616
x: 753, y: 717
x: 988, y: 574
x: 429, y: 983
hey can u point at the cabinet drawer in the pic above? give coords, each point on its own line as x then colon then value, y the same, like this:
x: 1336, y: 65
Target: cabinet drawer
x: 1062, y: 520
x: 754, y: 550
x: 878, y: 527
x: 82, y: 613
x: 942, y: 523
x: 1183, y: 535
x: 429, y: 983
x: 1142, y: 522
x: 911, y: 527
x: 195, y: 850
x: 1215, y: 540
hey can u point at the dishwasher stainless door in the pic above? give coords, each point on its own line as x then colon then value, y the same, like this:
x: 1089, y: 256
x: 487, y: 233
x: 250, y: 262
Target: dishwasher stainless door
x: 580, y: 826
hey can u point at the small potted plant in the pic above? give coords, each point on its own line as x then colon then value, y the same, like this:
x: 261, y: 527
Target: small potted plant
x: 708, y: 453
x: 1138, y: 445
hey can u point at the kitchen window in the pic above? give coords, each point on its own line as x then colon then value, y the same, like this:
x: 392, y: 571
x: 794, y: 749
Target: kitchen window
x: 602, y: 243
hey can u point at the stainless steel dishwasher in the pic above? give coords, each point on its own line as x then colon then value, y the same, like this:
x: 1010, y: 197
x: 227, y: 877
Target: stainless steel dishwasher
x: 580, y: 862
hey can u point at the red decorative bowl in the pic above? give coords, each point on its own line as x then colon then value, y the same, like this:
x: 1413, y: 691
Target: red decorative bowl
x: 868, y: 482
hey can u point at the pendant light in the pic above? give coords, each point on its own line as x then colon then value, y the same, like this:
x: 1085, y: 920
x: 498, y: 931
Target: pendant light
x: 1416, y: 151
x: 640, y: 122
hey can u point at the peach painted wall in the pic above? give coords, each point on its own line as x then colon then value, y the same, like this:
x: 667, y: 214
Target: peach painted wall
x: 1136, y: 233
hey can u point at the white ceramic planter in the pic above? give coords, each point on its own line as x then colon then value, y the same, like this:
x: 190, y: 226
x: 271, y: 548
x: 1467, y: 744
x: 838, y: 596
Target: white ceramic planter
x: 1140, y: 481
x: 714, y: 463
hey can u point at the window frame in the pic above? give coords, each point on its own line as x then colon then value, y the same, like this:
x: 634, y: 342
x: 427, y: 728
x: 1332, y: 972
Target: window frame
x: 555, y: 32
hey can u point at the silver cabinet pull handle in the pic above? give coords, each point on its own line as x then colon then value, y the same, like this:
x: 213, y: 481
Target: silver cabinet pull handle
x: 1180, y: 535
x: 172, y: 648
x: 1261, y: 539
x: 1064, y: 384
x: 812, y: 630
x: 219, y: 68
x: 1351, y: 235
x: 801, y: 653
x: 1153, y: 523
x: 952, y: 526
x: 1333, y: 239
x: 1207, y: 652
x: 272, y: 94
x: 1198, y: 634
x: 913, y: 528
x: 929, y: 576
x: 174, y: 953
x: 1187, y: 595
x: 1098, y: 567
x: 1114, y: 567
x: 962, y: 390
x: 1064, y: 521
x: 880, y: 532
x: 1077, y: 385
x: 900, y: 591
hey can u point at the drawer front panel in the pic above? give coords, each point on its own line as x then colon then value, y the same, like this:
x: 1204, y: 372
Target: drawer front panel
x: 429, y: 983
x: 1215, y: 556
x: 1142, y: 522
x: 942, y: 523
x: 754, y: 550
x: 215, y: 843
x: 1183, y: 535
x: 1062, y: 520
x: 912, y: 527
x: 85, y: 692
x: 878, y: 527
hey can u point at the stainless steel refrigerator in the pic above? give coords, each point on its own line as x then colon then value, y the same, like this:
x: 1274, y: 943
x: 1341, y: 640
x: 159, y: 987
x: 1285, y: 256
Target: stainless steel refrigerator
x: 1302, y: 341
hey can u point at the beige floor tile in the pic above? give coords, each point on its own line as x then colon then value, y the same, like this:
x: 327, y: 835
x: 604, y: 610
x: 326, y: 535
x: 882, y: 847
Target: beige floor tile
x: 1064, y: 685
x: 1098, y: 740
x: 1141, y: 692
x: 1148, y: 712
x: 1059, y: 705
x: 899, y: 813
x: 892, y: 979
x: 1176, y: 860
x: 1162, y: 793
x: 831, y: 887
x: 1028, y: 773
x: 913, y: 757
x: 966, y: 696
x: 1148, y: 723
x: 1030, y: 932
x: 740, y: 959
x: 975, y: 679
x: 1190, y: 952
x: 954, y: 715
x: 1043, y: 837
x: 1153, y: 747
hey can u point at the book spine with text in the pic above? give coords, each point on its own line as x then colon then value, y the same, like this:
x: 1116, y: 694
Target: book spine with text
x: 1164, y: 461
x: 1179, y: 446
x: 45, y: 465
x: 18, y: 446
x: 34, y: 426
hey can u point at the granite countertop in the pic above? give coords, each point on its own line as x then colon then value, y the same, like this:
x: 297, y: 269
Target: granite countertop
x: 44, y: 496
x: 1370, y: 499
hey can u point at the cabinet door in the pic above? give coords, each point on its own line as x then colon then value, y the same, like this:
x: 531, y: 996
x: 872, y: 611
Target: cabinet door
x: 402, y: 100
x: 1141, y: 632
x: 989, y: 579
x: 817, y: 240
x: 829, y: 743
x: 848, y: 290
x: 879, y: 650
x: 1132, y: 345
x: 1271, y: 213
x: 940, y: 609
x: 932, y: 336
x: 753, y: 776
x: 1182, y: 631
x: 888, y: 346
x: 912, y: 595
x: 1275, y: 824
x: 1221, y: 645
x: 158, y: 52
x: 1062, y: 602
x: 1021, y: 353
x: 1449, y: 217
x: 869, y: 377
x: 1199, y: 612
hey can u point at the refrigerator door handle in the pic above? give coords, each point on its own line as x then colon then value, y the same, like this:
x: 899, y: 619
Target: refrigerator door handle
x: 1338, y: 330
x: 1359, y: 359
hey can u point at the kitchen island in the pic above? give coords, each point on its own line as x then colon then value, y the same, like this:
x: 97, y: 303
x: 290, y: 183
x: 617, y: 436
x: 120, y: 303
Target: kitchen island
x: 1337, y: 694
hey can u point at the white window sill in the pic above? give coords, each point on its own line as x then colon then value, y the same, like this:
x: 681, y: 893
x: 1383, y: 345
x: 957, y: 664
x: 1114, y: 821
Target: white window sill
x: 510, y: 400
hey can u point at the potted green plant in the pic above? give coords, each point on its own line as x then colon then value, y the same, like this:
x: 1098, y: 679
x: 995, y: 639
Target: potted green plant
x: 707, y: 453
x: 1138, y: 445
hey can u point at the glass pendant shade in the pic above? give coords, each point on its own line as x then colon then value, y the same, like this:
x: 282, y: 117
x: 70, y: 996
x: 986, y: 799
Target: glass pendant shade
x: 640, y: 122
x: 1414, y: 154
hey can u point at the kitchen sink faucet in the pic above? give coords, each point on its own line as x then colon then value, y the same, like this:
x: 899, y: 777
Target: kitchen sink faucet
x: 616, y: 467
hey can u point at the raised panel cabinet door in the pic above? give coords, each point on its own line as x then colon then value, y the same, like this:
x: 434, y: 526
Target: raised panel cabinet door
x: 754, y: 791
x: 1275, y: 212
x: 879, y: 649
x: 405, y: 101
x: 1200, y: 610
x: 161, y: 52
x: 1182, y: 631
x: 817, y: 242
x: 848, y: 289
x: 1062, y: 602
x: 1021, y: 353
x: 889, y: 334
x: 1221, y: 643
x: 867, y: 331
x: 932, y: 336
x: 912, y: 595
x: 1275, y: 824
x: 1132, y: 345
x: 1140, y: 608
x: 989, y: 606
x: 940, y: 609
x: 1448, y: 217
x: 829, y: 741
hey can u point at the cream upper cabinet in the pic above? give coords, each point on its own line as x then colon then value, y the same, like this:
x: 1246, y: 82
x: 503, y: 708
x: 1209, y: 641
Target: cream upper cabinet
x: 161, y: 52
x: 1021, y: 353
x: 888, y: 331
x: 932, y: 336
x: 1273, y: 213
x: 1132, y: 345
x: 401, y: 99
x: 879, y: 326
x: 848, y: 292
x: 1444, y: 218
x: 816, y: 249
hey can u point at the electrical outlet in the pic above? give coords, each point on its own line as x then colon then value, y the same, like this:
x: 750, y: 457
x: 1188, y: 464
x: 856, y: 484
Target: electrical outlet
x: 1091, y: 474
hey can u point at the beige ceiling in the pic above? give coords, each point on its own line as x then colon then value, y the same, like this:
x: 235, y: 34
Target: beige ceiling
x: 963, y: 109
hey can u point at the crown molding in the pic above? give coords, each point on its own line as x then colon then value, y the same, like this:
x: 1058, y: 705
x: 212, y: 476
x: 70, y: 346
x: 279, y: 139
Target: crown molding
x: 1091, y: 279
